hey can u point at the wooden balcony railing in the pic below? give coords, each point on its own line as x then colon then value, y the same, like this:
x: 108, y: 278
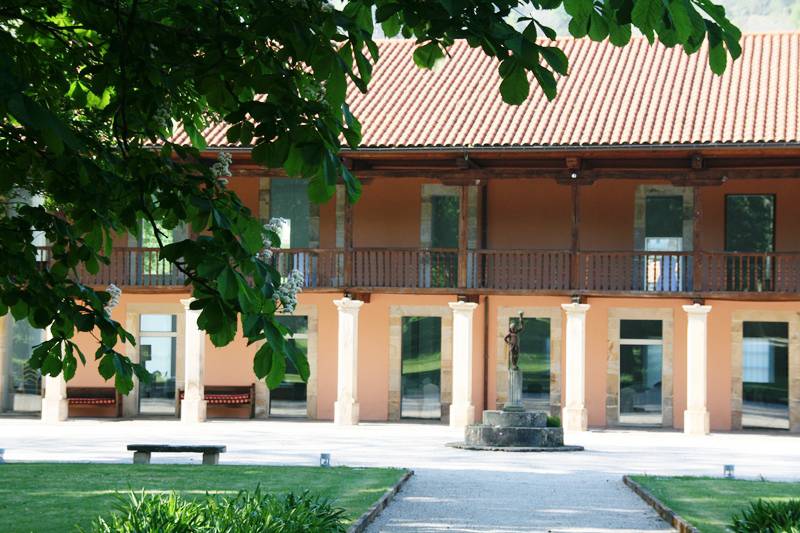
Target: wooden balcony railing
x: 512, y: 271
x: 129, y: 267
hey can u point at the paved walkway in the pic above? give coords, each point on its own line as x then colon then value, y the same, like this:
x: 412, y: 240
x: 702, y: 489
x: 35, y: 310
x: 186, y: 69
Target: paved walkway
x: 453, y: 490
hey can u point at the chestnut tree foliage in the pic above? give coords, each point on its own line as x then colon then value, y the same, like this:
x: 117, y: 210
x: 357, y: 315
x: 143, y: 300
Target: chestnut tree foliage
x: 90, y: 91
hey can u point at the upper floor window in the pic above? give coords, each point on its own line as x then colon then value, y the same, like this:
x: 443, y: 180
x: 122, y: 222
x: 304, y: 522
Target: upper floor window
x: 749, y: 222
x: 289, y: 201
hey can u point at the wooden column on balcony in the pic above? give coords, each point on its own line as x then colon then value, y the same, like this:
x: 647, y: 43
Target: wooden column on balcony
x: 348, y: 243
x: 463, y: 229
x: 697, y: 224
x: 574, y: 277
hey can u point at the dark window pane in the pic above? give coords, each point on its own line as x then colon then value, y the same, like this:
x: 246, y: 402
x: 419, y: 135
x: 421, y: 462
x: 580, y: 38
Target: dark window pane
x: 534, y: 361
x: 298, y: 325
x: 289, y: 200
x: 664, y: 216
x: 765, y: 375
x: 640, y: 384
x: 640, y: 329
x: 157, y: 354
x: 444, y: 222
x: 24, y: 338
x: 749, y: 222
x: 421, y: 367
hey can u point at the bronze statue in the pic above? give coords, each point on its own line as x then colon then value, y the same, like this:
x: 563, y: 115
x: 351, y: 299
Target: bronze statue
x: 512, y: 340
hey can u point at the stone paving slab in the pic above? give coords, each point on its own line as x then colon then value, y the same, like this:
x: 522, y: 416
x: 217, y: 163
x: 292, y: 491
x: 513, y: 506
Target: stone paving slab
x: 453, y: 490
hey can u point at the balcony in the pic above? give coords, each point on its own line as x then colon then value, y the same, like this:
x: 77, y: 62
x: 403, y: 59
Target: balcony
x: 753, y: 275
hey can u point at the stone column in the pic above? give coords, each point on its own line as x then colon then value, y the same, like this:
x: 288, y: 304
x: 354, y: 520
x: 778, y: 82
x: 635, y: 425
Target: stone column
x: 695, y: 418
x: 346, y: 406
x: 193, y: 405
x: 574, y: 416
x: 55, y: 406
x: 462, y: 410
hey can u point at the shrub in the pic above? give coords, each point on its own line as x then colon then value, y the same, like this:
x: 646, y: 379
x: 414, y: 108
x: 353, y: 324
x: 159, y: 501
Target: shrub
x: 245, y: 512
x: 764, y: 516
x: 553, y: 422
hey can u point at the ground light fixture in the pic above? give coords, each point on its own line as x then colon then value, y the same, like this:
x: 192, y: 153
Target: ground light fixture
x: 727, y: 471
x: 325, y: 460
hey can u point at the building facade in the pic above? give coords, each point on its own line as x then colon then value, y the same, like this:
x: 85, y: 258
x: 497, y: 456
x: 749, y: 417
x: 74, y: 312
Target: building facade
x: 644, y: 224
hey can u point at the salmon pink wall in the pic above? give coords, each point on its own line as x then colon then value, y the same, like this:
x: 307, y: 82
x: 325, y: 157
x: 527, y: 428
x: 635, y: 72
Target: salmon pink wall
x: 787, y: 223
x: 528, y: 214
x: 388, y: 214
x: 247, y: 190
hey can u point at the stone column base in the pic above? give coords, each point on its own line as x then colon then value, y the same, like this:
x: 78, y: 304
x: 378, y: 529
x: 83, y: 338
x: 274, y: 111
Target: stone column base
x: 345, y: 413
x: 54, y: 410
x: 193, y: 410
x: 696, y: 422
x: 574, y: 419
x: 462, y: 415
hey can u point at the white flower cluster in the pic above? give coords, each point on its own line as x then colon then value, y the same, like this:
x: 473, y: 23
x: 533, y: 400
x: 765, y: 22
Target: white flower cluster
x: 115, y: 292
x: 273, y: 226
x: 163, y: 119
x: 222, y: 168
x: 287, y: 292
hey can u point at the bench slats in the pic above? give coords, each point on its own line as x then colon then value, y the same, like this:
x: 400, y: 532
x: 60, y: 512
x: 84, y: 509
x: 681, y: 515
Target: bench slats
x: 177, y: 448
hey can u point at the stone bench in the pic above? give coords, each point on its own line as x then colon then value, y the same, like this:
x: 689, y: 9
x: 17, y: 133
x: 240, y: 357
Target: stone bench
x: 141, y: 452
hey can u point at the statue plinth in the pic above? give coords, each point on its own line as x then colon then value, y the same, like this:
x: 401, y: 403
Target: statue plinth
x: 514, y: 402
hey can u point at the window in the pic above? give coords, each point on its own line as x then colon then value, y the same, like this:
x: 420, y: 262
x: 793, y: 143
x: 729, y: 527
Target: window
x: 749, y: 222
x: 421, y: 356
x: 289, y: 201
x: 157, y: 352
x: 26, y: 381
x: 640, y: 362
x: 534, y: 361
x: 439, y: 268
x: 289, y: 398
x: 664, y: 233
x: 749, y: 227
x: 765, y: 375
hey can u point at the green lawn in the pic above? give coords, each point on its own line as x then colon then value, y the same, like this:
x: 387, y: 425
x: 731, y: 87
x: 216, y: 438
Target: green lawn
x: 58, y: 496
x: 709, y: 503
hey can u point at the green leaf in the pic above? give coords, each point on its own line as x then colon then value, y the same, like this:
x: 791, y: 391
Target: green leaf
x: 556, y: 58
x: 619, y: 35
x: 515, y: 87
x: 428, y: 55
x: 598, y: 27
x: 277, y: 371
x: 646, y: 15
x: 679, y: 14
x: 262, y: 362
x: 227, y: 283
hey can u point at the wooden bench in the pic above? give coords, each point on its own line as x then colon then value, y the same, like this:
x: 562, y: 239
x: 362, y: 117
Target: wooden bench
x: 141, y: 452
x: 95, y: 397
x: 231, y: 396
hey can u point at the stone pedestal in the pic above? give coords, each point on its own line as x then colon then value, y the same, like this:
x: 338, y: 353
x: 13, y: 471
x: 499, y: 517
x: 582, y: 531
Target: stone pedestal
x: 514, y: 402
x: 514, y: 431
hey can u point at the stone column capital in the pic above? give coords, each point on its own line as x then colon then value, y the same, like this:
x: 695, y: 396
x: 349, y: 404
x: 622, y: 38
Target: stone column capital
x: 574, y: 308
x: 187, y: 302
x: 347, y: 304
x: 463, y: 307
x: 697, y: 309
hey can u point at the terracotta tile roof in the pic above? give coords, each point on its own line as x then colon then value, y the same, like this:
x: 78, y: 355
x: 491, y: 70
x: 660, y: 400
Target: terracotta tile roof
x: 639, y: 94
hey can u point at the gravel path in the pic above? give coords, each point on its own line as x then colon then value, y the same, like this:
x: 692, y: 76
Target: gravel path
x: 453, y: 490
